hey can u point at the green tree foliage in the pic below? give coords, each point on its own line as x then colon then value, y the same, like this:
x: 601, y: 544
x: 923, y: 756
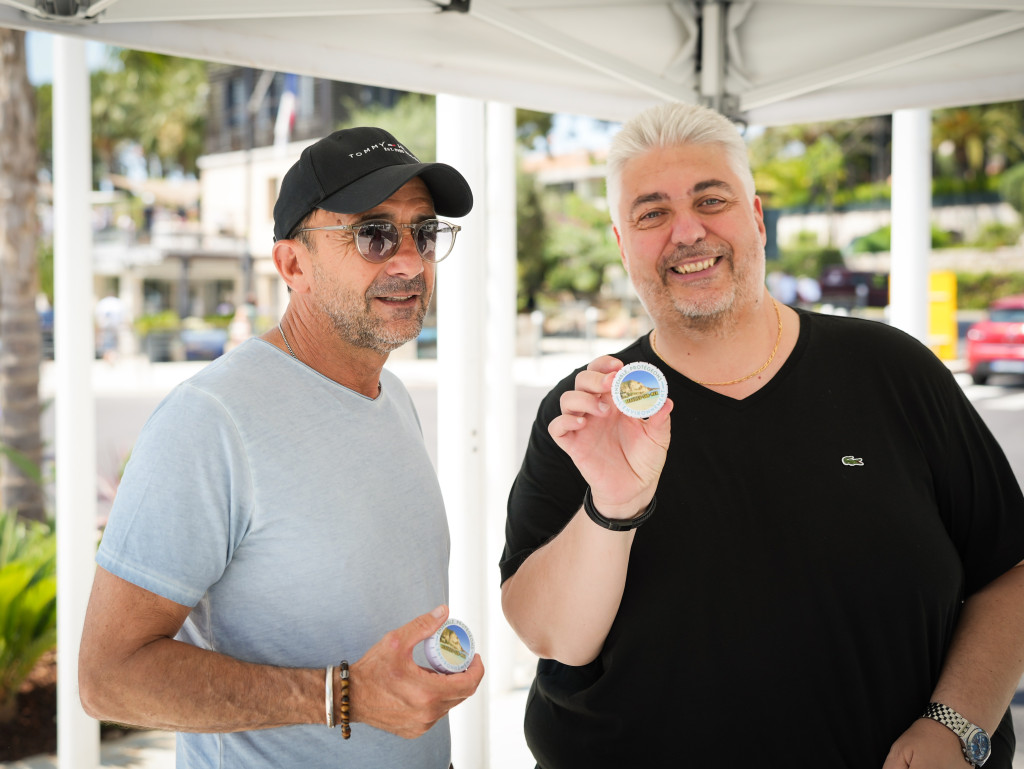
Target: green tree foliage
x: 837, y: 164
x: 821, y: 164
x: 157, y: 102
x: 1011, y: 187
x: 28, y: 602
x: 532, y: 126
x: 580, y: 246
x: 805, y: 257
x: 413, y: 121
x: 973, y: 143
x: 531, y: 242
x: 44, y: 124
x: 975, y: 291
x: 44, y: 266
x: 995, y: 234
x: 881, y: 240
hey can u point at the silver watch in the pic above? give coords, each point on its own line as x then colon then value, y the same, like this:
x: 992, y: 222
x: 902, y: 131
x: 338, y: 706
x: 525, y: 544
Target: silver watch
x: 974, y: 741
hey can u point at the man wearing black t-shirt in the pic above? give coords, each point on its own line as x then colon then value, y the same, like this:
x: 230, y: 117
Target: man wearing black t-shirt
x: 830, y: 577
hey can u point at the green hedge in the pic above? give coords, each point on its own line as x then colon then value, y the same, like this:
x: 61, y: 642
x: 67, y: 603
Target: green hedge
x: 975, y: 291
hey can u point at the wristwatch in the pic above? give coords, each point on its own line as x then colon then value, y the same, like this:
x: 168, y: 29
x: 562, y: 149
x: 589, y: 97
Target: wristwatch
x: 974, y: 741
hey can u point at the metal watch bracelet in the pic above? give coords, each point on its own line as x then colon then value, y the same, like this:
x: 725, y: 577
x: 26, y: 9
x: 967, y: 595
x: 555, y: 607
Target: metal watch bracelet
x: 974, y: 741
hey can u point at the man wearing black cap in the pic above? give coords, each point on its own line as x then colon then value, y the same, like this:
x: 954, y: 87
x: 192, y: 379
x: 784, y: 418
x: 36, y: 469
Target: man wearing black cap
x: 278, y: 548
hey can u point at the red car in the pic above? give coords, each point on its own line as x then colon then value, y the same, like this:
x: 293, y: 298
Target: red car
x: 996, y: 345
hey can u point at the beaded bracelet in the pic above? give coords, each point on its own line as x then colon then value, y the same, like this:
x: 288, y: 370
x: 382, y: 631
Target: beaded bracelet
x: 615, y: 524
x: 346, y: 730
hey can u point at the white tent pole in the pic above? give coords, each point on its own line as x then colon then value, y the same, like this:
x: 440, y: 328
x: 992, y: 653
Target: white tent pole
x: 500, y: 389
x: 712, y: 71
x: 911, y: 220
x: 78, y: 736
x: 460, y: 385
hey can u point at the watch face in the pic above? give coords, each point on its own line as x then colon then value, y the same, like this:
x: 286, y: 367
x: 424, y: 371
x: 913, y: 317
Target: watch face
x: 978, y: 747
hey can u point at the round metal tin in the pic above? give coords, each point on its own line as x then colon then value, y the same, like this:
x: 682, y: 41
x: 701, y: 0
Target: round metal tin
x: 450, y: 649
x: 639, y: 390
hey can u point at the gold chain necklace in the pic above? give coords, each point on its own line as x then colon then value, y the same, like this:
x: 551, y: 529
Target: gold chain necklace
x: 766, y: 364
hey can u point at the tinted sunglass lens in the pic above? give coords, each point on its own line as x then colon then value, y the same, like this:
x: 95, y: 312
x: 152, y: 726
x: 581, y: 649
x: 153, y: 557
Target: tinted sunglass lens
x: 377, y: 241
x: 438, y: 237
x: 427, y: 240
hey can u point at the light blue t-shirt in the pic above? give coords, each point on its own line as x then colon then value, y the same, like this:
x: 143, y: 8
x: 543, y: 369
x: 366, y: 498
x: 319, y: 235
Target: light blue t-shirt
x: 302, y: 521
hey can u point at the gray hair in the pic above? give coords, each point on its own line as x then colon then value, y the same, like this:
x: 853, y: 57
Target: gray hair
x: 671, y: 125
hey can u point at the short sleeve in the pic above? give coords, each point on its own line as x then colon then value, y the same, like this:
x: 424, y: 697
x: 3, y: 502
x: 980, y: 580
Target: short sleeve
x: 546, y: 493
x: 184, y: 503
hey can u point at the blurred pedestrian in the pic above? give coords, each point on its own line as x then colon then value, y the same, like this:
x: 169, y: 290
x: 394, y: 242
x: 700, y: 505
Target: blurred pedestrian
x: 109, y: 317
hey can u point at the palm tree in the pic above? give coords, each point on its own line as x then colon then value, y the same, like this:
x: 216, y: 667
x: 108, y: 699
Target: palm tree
x: 20, y: 436
x: 972, y: 137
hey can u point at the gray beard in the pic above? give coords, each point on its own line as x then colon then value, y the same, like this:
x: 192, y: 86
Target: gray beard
x: 365, y: 331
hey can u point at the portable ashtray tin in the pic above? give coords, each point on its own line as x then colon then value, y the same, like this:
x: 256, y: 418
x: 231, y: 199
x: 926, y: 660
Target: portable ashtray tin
x: 450, y: 649
x: 639, y: 390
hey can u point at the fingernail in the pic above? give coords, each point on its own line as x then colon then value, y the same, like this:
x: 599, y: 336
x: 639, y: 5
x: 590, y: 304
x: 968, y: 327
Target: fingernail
x: 603, y: 406
x: 438, y: 612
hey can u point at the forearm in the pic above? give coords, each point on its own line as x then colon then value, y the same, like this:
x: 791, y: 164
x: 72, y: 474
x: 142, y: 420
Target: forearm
x: 563, y: 599
x: 172, y: 685
x: 986, y: 658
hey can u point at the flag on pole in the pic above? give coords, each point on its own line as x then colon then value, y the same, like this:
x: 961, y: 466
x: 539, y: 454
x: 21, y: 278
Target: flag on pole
x: 286, y: 107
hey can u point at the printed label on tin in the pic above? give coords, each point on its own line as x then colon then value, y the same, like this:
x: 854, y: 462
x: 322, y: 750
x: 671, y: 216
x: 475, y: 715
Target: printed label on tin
x: 450, y: 649
x: 639, y: 390
x: 453, y: 643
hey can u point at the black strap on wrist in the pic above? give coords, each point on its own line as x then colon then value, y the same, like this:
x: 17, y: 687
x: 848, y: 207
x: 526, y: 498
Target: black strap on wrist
x: 611, y: 524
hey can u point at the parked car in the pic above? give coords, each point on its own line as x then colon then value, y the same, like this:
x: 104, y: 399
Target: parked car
x: 996, y: 345
x: 203, y: 343
x: 841, y: 287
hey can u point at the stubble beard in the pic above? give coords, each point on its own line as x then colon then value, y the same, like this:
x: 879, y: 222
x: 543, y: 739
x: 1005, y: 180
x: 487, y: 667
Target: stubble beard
x: 353, y: 318
x: 701, y: 311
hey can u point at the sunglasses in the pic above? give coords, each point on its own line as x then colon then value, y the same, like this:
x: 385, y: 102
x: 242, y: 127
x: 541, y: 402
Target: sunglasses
x: 377, y: 240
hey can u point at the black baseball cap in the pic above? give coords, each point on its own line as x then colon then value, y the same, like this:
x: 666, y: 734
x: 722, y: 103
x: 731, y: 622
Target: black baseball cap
x: 355, y: 169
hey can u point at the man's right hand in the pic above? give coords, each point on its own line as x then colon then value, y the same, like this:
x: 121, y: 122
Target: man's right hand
x: 388, y: 690
x: 620, y: 457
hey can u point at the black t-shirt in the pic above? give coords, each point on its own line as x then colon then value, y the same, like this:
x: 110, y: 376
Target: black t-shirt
x: 792, y: 599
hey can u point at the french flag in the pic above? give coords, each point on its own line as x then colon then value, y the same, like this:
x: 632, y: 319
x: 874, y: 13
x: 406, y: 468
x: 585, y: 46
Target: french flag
x: 286, y: 111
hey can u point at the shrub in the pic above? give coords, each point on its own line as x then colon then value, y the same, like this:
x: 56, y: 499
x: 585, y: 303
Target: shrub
x: 1011, y: 187
x: 975, y: 291
x: 992, y: 235
x: 28, y: 602
x: 167, y: 320
x: 881, y: 240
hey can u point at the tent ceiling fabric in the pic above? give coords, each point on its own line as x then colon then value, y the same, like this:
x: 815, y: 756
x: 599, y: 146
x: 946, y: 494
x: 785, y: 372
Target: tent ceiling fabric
x: 763, y: 61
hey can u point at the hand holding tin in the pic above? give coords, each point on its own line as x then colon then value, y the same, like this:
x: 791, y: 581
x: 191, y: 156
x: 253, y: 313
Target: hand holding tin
x: 619, y: 456
x: 390, y: 691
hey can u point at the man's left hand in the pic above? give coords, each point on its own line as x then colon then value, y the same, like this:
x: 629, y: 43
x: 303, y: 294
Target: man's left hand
x: 927, y: 744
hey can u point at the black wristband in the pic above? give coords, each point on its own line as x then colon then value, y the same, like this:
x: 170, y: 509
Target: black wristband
x: 611, y: 524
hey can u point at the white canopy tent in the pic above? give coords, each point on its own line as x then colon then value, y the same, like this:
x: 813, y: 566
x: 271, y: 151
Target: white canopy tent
x: 769, y: 61
x: 760, y: 61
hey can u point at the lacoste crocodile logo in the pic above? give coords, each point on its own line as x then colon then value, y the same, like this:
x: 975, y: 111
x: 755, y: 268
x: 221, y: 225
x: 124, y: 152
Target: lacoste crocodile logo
x: 851, y: 461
